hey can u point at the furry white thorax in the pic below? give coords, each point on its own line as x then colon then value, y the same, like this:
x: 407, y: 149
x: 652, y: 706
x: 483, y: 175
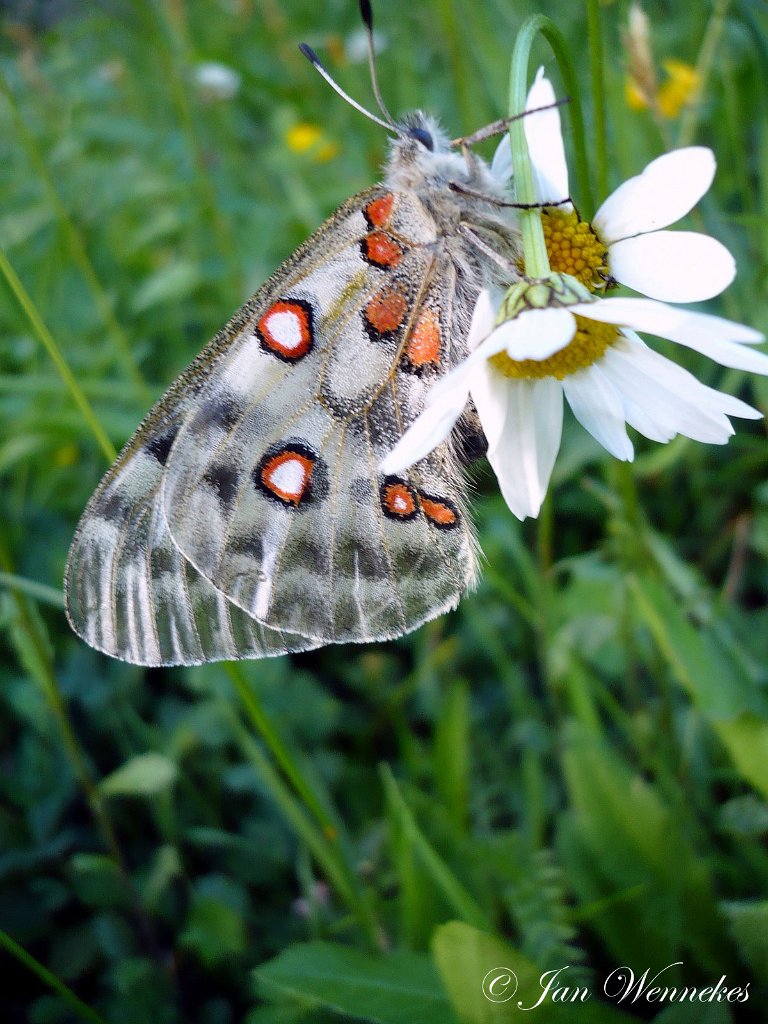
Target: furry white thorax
x: 412, y: 165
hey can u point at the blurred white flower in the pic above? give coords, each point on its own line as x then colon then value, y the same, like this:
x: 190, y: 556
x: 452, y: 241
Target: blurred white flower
x: 356, y: 45
x: 216, y: 81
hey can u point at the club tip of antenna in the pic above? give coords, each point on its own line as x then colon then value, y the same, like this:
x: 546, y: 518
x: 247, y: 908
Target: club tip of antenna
x: 366, y: 14
x: 310, y: 54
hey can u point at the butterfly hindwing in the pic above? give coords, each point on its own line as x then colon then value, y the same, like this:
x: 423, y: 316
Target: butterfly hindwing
x: 272, y: 489
x: 131, y: 593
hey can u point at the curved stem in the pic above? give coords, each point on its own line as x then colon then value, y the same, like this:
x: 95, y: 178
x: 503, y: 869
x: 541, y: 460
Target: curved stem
x: 536, y: 24
x: 531, y: 230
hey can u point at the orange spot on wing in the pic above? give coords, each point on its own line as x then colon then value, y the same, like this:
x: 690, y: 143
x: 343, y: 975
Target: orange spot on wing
x: 378, y: 211
x: 386, y: 310
x: 424, y: 344
x: 439, y: 511
x: 398, y: 499
x: 381, y: 249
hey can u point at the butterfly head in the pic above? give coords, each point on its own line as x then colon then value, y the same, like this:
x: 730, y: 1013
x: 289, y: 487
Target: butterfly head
x: 421, y: 154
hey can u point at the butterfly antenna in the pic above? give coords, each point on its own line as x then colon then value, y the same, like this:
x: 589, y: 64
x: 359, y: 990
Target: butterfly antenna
x: 313, y: 59
x: 367, y: 15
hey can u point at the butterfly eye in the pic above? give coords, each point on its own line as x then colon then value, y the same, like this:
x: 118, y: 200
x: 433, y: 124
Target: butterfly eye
x: 422, y: 136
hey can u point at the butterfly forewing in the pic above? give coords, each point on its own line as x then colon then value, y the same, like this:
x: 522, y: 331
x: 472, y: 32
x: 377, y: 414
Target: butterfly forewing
x: 279, y: 459
x: 247, y: 517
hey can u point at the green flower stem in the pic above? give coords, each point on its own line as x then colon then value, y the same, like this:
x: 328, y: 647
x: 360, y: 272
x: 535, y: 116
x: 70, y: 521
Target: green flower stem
x: 597, y: 77
x: 46, y: 338
x: 76, y: 246
x: 534, y: 249
x: 531, y: 230
x: 48, y: 978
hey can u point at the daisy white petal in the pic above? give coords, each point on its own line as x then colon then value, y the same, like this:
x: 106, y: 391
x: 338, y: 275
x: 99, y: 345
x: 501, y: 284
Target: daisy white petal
x: 483, y: 318
x: 528, y: 443
x: 674, y: 266
x: 676, y: 379
x: 501, y: 165
x: 545, y: 142
x: 536, y: 333
x: 428, y: 430
x: 670, y: 411
x: 719, y: 339
x: 665, y: 191
x: 598, y: 407
x: 490, y: 391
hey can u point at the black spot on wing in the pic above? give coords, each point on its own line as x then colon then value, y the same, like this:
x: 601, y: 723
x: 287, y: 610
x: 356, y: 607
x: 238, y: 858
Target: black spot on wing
x: 113, y: 506
x: 223, y: 478
x: 225, y: 411
x: 159, y: 446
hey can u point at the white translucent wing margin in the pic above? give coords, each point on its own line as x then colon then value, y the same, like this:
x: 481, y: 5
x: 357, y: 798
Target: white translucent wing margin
x: 132, y: 595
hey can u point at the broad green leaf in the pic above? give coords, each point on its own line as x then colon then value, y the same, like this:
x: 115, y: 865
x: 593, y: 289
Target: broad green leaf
x: 748, y: 924
x: 143, y: 775
x: 491, y: 982
x: 718, y: 686
x: 474, y: 966
x: 642, y: 886
x: 97, y: 880
x: 746, y: 739
x: 721, y: 690
x: 214, y: 931
x: 401, y: 988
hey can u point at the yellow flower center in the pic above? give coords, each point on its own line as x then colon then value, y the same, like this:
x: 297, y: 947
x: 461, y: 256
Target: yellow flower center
x: 589, y: 343
x: 574, y: 248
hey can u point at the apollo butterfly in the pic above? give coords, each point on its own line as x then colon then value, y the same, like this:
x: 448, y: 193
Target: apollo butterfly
x: 247, y: 515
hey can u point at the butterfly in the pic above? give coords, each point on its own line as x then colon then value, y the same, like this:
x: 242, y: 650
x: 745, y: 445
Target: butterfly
x: 247, y: 515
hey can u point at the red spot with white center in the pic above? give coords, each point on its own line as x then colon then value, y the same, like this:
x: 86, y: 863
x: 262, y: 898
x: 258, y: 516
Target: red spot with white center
x: 398, y: 499
x: 286, y: 474
x: 286, y: 329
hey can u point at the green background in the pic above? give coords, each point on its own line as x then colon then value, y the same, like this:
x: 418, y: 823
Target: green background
x: 572, y: 769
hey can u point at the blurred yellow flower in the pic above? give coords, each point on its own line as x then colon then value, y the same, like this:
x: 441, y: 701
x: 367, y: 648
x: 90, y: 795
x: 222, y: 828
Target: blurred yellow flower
x: 311, y: 139
x: 634, y: 96
x: 679, y: 89
x: 302, y: 137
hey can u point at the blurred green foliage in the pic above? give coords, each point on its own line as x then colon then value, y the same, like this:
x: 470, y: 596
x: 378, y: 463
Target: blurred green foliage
x: 572, y: 769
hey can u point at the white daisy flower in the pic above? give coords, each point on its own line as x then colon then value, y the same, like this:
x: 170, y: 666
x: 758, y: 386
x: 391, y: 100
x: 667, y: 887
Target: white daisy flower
x: 624, y: 241
x: 524, y: 360
x: 588, y: 352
